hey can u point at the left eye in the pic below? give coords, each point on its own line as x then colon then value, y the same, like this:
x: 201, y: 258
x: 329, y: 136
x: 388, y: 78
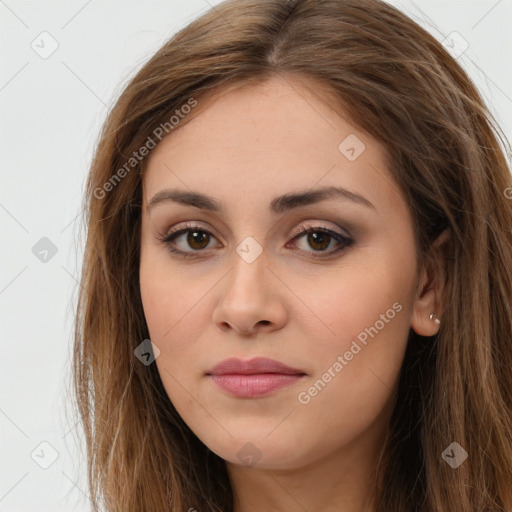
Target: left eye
x: 320, y: 239
x: 198, y: 239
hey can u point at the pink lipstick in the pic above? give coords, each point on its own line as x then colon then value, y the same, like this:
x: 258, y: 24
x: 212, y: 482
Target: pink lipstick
x: 254, y: 378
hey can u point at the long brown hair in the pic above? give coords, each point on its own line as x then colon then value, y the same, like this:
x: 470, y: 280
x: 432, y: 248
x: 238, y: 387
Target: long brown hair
x: 446, y: 152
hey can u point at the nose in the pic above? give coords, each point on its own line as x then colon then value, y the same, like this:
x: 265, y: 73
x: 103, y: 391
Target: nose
x: 250, y: 299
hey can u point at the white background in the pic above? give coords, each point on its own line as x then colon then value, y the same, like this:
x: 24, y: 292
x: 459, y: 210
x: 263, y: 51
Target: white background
x: 51, y: 111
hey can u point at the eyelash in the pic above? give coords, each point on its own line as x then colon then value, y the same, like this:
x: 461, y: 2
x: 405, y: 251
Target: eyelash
x: 344, y: 241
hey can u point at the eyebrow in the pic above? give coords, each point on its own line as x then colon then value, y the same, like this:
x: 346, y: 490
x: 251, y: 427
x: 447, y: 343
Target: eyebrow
x: 279, y: 204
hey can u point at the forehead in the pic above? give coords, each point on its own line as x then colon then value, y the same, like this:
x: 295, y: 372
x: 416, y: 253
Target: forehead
x: 262, y: 139
x: 278, y: 110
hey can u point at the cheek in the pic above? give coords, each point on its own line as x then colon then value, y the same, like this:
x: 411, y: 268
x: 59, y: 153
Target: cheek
x: 169, y: 297
x: 174, y: 305
x: 360, y: 336
x: 361, y: 294
x: 171, y: 306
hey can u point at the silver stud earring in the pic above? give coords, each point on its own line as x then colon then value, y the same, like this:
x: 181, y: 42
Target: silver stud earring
x: 434, y: 318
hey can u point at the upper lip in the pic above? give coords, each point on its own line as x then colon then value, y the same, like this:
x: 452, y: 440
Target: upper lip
x: 252, y: 366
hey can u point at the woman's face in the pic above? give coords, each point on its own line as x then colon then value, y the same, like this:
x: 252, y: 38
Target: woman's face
x: 255, y: 167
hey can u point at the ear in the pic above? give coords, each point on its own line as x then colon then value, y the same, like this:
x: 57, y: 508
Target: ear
x: 430, y: 292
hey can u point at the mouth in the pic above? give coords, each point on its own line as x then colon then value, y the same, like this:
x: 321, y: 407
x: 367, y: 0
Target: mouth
x: 254, y: 378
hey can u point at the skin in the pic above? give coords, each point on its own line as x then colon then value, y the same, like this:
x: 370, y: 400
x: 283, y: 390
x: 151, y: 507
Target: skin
x: 244, y: 148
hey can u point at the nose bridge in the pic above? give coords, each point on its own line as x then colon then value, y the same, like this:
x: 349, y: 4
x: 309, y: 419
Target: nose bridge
x: 248, y: 298
x: 249, y: 267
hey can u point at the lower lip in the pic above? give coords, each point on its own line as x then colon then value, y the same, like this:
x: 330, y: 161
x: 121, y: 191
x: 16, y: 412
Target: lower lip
x: 256, y: 385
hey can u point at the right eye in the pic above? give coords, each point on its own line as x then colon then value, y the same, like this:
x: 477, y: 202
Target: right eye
x: 190, y: 237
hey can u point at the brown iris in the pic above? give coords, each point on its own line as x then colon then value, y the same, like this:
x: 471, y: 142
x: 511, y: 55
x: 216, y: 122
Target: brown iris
x: 196, y: 238
x: 318, y: 240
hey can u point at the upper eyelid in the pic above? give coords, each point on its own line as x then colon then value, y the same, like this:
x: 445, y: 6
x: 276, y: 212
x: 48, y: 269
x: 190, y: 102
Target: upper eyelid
x: 326, y: 224
x: 189, y: 226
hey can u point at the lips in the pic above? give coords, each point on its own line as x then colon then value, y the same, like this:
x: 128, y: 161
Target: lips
x: 257, y: 365
x: 255, y: 378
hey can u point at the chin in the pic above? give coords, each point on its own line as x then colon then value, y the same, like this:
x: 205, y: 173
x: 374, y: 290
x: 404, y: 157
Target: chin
x: 257, y: 451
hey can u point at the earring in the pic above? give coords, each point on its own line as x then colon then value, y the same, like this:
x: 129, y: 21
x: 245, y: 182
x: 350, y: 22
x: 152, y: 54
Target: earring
x: 433, y: 317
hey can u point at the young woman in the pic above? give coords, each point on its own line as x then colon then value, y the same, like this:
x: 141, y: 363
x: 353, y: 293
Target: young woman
x: 297, y: 283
